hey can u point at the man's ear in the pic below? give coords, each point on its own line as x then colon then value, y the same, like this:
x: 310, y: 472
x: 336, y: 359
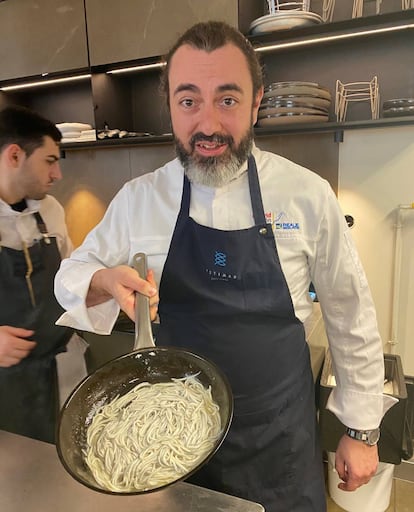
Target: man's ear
x: 14, y: 155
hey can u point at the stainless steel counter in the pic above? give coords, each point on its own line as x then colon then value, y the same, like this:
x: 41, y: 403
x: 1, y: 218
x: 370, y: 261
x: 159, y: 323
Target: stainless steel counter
x: 33, y: 479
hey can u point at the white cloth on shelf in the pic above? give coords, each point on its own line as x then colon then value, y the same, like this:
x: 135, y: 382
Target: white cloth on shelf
x: 83, y: 136
x: 71, y: 135
x: 72, y: 127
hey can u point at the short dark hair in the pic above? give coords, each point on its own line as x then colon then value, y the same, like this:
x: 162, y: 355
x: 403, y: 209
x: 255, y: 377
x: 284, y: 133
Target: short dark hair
x: 22, y: 126
x: 210, y: 36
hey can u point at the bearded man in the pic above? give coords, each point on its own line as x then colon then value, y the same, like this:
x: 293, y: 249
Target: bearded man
x: 234, y: 237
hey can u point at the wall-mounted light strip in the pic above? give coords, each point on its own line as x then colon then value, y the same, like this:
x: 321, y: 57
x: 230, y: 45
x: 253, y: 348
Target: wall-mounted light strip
x: 44, y: 82
x: 337, y: 37
x: 141, y: 67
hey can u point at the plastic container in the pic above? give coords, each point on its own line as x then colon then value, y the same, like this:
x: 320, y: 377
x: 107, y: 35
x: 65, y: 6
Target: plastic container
x: 375, y: 496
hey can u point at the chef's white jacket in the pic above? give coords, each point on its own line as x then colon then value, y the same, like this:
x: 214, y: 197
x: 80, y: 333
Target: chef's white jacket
x: 313, y: 244
x: 18, y: 227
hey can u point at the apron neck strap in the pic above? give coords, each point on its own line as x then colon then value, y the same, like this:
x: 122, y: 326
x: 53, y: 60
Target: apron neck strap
x: 42, y: 227
x: 255, y: 194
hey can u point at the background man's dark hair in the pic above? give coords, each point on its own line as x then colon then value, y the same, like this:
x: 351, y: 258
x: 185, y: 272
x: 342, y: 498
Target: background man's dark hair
x: 210, y: 36
x: 22, y: 126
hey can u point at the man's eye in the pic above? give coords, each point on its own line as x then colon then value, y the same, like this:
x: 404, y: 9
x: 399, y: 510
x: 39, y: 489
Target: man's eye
x: 228, y: 102
x: 187, y: 102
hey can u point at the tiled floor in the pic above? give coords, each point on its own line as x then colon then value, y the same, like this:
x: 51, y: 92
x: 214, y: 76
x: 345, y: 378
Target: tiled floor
x: 402, y: 498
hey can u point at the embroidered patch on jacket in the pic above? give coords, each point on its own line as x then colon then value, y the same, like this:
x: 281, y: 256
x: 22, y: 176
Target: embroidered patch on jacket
x: 283, y: 224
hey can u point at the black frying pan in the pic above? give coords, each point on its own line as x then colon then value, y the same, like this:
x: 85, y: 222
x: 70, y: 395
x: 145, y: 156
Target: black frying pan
x: 146, y: 363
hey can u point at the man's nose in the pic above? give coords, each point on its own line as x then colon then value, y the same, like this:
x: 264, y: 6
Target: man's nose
x: 56, y: 172
x: 209, y: 121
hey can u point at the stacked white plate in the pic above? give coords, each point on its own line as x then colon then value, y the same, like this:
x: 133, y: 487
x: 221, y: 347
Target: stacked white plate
x: 284, y: 20
x: 398, y: 107
x: 294, y: 102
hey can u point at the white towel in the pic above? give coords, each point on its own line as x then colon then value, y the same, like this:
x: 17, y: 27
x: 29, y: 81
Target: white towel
x: 73, y: 127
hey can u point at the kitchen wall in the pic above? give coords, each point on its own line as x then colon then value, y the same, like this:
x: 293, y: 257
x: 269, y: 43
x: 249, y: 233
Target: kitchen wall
x: 375, y: 176
x: 93, y: 177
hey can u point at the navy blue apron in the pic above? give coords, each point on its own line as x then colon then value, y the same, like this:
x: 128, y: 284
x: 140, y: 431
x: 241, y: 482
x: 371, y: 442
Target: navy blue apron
x: 223, y: 295
x: 29, y: 399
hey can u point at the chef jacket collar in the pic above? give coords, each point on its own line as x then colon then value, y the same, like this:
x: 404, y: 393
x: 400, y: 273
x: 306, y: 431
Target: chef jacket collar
x: 33, y: 205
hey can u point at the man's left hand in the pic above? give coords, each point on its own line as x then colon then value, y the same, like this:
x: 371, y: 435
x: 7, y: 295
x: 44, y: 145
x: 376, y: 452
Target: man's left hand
x: 355, y: 462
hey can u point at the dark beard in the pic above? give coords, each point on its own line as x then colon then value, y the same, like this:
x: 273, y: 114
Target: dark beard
x: 214, y: 171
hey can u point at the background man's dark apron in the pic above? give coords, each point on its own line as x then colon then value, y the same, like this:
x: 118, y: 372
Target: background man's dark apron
x: 223, y: 295
x: 29, y: 398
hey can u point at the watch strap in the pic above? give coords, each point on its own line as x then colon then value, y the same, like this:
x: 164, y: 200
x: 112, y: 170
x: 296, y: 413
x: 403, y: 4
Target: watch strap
x: 369, y: 437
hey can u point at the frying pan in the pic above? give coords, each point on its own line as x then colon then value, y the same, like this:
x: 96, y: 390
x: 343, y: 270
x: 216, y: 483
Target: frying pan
x: 146, y: 363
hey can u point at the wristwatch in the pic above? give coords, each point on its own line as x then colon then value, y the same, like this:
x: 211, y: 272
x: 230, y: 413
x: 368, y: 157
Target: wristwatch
x: 369, y: 437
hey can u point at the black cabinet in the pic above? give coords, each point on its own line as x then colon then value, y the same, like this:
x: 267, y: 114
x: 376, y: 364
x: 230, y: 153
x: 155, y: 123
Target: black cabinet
x: 42, y: 37
x: 68, y: 102
x: 129, y: 29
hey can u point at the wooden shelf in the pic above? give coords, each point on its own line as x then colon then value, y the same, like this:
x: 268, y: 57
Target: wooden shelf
x: 113, y: 143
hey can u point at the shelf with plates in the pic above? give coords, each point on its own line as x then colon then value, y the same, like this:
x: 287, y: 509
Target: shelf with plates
x: 117, y: 142
x: 288, y: 129
x: 328, y: 33
x: 350, y: 51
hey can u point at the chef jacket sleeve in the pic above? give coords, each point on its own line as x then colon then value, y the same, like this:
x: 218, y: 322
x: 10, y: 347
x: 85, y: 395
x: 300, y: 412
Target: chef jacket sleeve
x: 350, y: 319
x: 107, y: 245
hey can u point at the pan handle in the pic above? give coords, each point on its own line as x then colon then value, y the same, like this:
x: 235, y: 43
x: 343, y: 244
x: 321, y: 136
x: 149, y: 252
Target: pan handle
x: 143, y: 331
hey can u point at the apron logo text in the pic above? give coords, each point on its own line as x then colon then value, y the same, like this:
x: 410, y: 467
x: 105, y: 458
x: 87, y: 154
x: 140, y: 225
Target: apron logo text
x: 216, y: 275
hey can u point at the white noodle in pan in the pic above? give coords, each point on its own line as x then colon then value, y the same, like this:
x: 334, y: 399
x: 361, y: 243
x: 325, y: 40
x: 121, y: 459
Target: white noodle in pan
x: 152, y: 435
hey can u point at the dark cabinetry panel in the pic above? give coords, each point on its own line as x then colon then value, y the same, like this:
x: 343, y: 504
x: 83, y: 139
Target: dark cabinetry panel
x: 63, y: 103
x: 42, y: 37
x: 129, y: 30
x: 130, y: 102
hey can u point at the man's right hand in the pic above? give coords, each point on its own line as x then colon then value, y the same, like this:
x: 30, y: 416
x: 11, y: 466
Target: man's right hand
x: 13, y: 345
x: 122, y: 283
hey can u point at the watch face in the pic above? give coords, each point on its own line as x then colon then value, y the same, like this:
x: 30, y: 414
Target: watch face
x: 373, y: 436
